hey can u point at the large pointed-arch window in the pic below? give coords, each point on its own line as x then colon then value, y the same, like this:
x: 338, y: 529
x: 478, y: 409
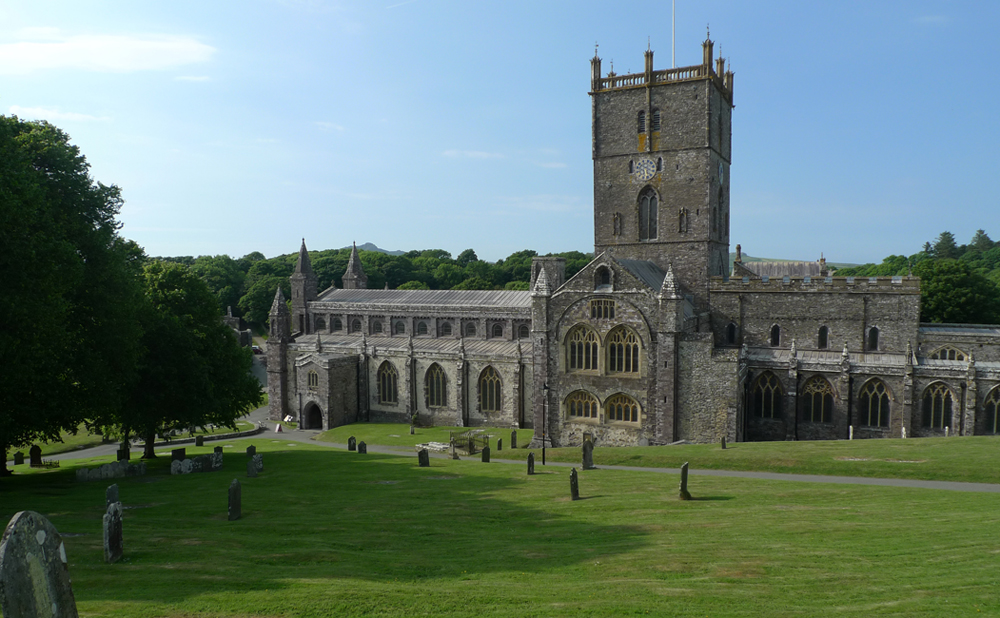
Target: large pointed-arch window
x: 767, y: 396
x: 581, y: 349
x: 436, y: 383
x: 817, y: 401
x: 623, y: 408
x: 581, y: 404
x: 938, y: 404
x: 490, y: 387
x: 387, y: 389
x: 873, y: 405
x: 648, y: 206
x: 992, y: 408
x: 623, y: 351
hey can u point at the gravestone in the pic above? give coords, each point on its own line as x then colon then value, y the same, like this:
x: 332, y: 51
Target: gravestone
x: 513, y: 439
x: 18, y: 458
x: 531, y: 463
x: 723, y: 442
x: 362, y: 448
x: 34, y: 573
x: 411, y: 430
x: 113, y: 544
x: 35, y: 456
x: 684, y: 494
x: 486, y: 454
x: 252, y: 469
x: 199, y: 441
x: 235, y: 501
x: 588, y: 456
x: 251, y: 450
x: 424, y: 458
x: 352, y: 444
x: 499, y: 444
x: 111, y: 495
x: 574, y: 485
x: 904, y: 437
x: 258, y: 460
x: 125, y: 451
x: 217, y: 449
x: 178, y: 454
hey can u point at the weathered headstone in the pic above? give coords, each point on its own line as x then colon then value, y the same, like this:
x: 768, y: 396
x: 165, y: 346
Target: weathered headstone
x: 258, y: 461
x: 850, y: 432
x: 362, y: 448
x: 904, y: 437
x: 35, y: 456
x: 412, y: 432
x: 125, y: 451
x: 684, y: 494
x: 18, y: 458
x: 486, y: 454
x: 199, y: 441
x: 111, y: 495
x: 178, y: 454
x: 235, y: 501
x: 513, y: 439
x: 113, y: 543
x: 588, y: 455
x: 175, y: 466
x: 723, y: 442
x: 574, y: 485
x: 531, y: 463
x: 34, y: 573
x: 252, y: 469
x: 251, y: 450
x: 352, y: 444
x: 499, y: 444
x: 217, y: 449
x: 424, y: 458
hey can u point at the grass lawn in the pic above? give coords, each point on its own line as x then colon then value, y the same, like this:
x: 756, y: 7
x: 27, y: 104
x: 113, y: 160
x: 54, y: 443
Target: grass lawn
x: 398, y: 434
x: 331, y: 533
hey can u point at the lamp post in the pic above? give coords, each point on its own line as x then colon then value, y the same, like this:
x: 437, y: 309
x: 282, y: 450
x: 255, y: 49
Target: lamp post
x: 545, y: 418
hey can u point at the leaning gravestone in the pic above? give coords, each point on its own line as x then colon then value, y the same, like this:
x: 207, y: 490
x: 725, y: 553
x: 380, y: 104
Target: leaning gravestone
x: 35, y: 456
x: 251, y: 450
x: 352, y: 444
x: 111, y: 495
x: 423, y: 458
x: 574, y: 485
x: 34, y: 574
x: 362, y: 448
x: 235, y: 500
x: 113, y: 543
x: 588, y: 455
x: 513, y: 439
x: 252, y: 469
x: 486, y: 454
x: 684, y: 494
x: 531, y: 463
x: 178, y: 454
x: 18, y: 458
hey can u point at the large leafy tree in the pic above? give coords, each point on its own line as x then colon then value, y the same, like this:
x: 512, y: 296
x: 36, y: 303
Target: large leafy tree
x: 951, y: 292
x: 69, y: 341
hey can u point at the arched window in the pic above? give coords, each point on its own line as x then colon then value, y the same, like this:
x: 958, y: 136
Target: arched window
x: 631, y: 166
x: 602, y: 276
x: 581, y: 404
x: 446, y: 329
x: 337, y: 324
x: 497, y: 330
x: 823, y: 341
x: 938, y: 404
x: 873, y: 405
x: 399, y: 327
x: 581, y: 349
x: 387, y: 391
x: 623, y: 351
x: 523, y: 332
x: 313, y: 380
x: 992, y: 408
x: 768, y: 399
x: 377, y: 327
x: 489, y: 390
x: 470, y: 329
x: 435, y: 383
x: 873, y: 339
x: 320, y: 323
x: 659, y: 162
x: 647, y: 214
x: 775, y: 336
x: 656, y: 122
x: 623, y: 408
x: 641, y: 122
x: 731, y: 334
x: 817, y: 401
x: 948, y: 353
x: 421, y: 328
x: 355, y: 326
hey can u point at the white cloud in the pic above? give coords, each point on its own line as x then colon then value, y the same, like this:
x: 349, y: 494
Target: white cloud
x: 41, y: 113
x: 192, y: 78
x: 47, y: 49
x: 329, y: 126
x: 472, y: 154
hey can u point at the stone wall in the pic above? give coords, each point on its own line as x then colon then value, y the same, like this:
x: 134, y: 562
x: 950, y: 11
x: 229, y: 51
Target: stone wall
x: 708, y: 390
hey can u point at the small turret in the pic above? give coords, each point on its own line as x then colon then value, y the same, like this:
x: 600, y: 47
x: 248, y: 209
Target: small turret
x: 355, y: 277
x: 706, y: 51
x: 304, y: 288
x: 279, y: 319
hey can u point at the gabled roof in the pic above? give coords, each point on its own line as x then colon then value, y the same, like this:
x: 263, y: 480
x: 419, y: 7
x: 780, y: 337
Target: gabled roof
x: 412, y: 298
x: 645, y: 271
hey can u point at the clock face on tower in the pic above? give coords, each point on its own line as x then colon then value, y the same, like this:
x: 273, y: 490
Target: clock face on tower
x: 644, y: 170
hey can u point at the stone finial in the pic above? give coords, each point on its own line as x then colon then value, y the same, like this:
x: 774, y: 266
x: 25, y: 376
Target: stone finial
x: 793, y: 350
x: 739, y: 254
x: 669, y: 289
x: 845, y: 354
x: 542, y: 287
x: 302, y: 264
x: 909, y: 353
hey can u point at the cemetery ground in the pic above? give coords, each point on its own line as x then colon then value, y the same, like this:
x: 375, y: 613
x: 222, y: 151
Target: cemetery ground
x: 326, y: 532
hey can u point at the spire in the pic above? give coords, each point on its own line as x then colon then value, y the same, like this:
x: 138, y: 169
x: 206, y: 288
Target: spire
x: 278, y: 307
x: 303, y: 265
x: 354, y: 277
x: 542, y: 284
x: 669, y: 288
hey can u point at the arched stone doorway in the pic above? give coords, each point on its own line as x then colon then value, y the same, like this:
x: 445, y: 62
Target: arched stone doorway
x: 312, y: 417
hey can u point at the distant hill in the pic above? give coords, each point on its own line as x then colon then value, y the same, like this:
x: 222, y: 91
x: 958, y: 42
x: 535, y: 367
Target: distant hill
x: 371, y: 247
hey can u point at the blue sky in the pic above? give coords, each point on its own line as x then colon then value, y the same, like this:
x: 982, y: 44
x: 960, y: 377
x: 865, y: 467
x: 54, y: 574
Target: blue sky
x: 861, y: 129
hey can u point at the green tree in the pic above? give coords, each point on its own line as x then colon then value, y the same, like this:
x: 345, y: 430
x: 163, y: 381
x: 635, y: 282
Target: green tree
x: 224, y: 277
x: 474, y: 283
x: 945, y: 247
x: 256, y: 303
x: 465, y: 257
x: 413, y: 285
x: 950, y: 292
x: 981, y: 241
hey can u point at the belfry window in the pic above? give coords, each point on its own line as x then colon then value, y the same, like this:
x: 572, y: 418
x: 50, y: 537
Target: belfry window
x: 641, y: 122
x: 656, y: 125
x: 387, y: 390
x: 647, y: 214
x: 873, y: 405
x: 938, y: 405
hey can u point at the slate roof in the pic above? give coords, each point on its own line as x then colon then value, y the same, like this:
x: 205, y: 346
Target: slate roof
x: 982, y: 330
x: 832, y: 357
x: 782, y: 269
x: 501, y: 299
x: 473, y: 347
x: 646, y: 271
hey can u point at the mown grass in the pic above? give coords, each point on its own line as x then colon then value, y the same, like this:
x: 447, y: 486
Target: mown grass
x: 332, y: 533
x: 398, y: 434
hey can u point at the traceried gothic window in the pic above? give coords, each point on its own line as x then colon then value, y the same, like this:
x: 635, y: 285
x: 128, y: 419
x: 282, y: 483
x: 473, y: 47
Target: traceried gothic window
x: 731, y: 334
x: 355, y: 326
x: 320, y: 323
x: 873, y: 339
x: 435, y: 383
x: 446, y: 329
x: 399, y: 328
x: 647, y: 214
x: 581, y: 349
x: 641, y: 122
x: 523, y: 332
x: 497, y: 331
x: 938, y: 405
x: 387, y: 377
x: 768, y: 399
x: 873, y: 405
x: 817, y: 401
x: 775, y: 336
x: 823, y: 340
x: 337, y: 324
x: 490, y: 387
x: 470, y: 329
x: 623, y: 351
x: 948, y: 353
x: 581, y: 404
x: 622, y: 408
x: 656, y: 123
x: 421, y: 328
x: 602, y: 309
x: 992, y: 409
x: 313, y: 379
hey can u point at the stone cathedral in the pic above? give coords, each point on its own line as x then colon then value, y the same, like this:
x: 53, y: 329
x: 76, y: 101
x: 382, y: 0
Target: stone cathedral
x: 655, y: 341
